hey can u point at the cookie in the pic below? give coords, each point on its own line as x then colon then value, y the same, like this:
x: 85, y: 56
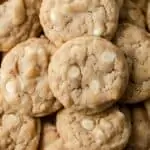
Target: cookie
x: 88, y: 72
x: 19, y: 132
x: 135, y: 42
x: 131, y: 13
x: 50, y: 139
x: 24, y: 74
x: 19, y: 20
x: 140, y: 135
x: 109, y: 130
x: 63, y: 20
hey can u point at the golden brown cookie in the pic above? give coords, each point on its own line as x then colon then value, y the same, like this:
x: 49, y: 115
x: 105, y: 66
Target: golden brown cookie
x: 18, y: 21
x: 109, y: 130
x: 135, y: 42
x: 24, y: 76
x: 88, y: 72
x: 63, y: 20
x: 18, y: 132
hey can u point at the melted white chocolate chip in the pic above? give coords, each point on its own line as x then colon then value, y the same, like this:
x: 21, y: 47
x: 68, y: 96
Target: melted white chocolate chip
x: 11, y: 87
x: 87, y: 124
x: 97, y: 32
x: 10, y: 121
x: 74, y: 72
x: 108, y: 57
x: 95, y: 86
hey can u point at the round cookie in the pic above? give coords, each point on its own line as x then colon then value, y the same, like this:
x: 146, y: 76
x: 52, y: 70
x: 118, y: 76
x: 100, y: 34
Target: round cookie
x: 131, y: 13
x: 24, y: 74
x: 109, y: 130
x: 19, y: 20
x: 19, y: 132
x: 135, y: 42
x: 50, y: 139
x: 140, y: 135
x: 88, y: 72
x: 63, y: 20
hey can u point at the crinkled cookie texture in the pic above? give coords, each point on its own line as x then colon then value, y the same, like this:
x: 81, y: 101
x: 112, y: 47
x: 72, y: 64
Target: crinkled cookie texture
x: 109, y: 130
x: 131, y: 13
x: 63, y: 20
x: 140, y: 135
x: 19, y: 132
x: 24, y: 74
x: 19, y: 20
x: 50, y: 139
x: 88, y: 72
x: 135, y: 42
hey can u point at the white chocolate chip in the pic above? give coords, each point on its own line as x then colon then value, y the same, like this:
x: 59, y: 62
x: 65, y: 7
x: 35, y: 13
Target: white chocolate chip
x: 74, y: 72
x: 11, y: 87
x: 87, y: 124
x: 97, y: 32
x: 105, y: 124
x: 95, y: 86
x: 53, y: 15
x: 10, y: 121
x: 108, y: 56
x: 99, y: 135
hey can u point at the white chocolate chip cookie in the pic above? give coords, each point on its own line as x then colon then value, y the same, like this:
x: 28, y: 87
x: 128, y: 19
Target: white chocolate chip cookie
x: 88, y: 72
x: 18, y: 21
x: 140, y: 135
x: 63, y: 20
x: 50, y: 139
x: 19, y: 132
x: 24, y: 75
x: 135, y: 42
x: 131, y: 13
x: 109, y: 130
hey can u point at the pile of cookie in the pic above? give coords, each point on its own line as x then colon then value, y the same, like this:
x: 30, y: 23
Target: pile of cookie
x: 75, y: 75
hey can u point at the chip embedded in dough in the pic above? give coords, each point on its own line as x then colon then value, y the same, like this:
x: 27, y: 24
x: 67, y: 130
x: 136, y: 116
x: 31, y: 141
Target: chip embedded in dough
x: 18, y: 132
x: 24, y: 76
x: 107, y: 130
x: 135, y: 42
x: 19, y: 20
x: 88, y: 72
x: 63, y: 20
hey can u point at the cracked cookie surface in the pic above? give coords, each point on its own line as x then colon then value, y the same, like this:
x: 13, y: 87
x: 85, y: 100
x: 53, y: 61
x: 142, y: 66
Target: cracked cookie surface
x: 24, y: 76
x: 135, y: 42
x: 107, y: 130
x: 63, y: 20
x: 19, y: 20
x: 19, y: 132
x: 88, y: 72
